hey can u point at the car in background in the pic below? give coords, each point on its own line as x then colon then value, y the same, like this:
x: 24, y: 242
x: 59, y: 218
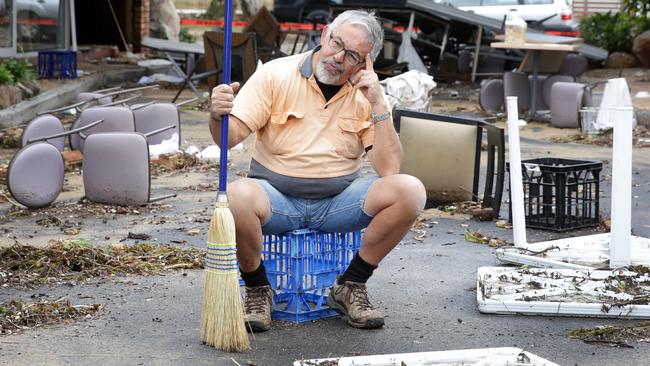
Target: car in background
x: 37, y: 19
x: 316, y: 11
x: 551, y: 16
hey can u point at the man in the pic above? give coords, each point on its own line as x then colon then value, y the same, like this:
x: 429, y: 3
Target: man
x: 314, y: 115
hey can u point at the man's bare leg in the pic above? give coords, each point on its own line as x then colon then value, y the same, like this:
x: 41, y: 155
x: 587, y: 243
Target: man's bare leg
x: 251, y: 208
x: 394, y: 202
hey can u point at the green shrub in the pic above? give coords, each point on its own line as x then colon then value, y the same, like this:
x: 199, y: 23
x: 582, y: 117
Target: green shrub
x: 6, y: 77
x: 639, y: 11
x: 185, y: 36
x: 611, y: 31
x: 21, y: 70
x: 214, y: 10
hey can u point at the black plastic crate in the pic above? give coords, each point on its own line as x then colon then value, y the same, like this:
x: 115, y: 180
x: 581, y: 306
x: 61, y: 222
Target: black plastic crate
x: 560, y: 194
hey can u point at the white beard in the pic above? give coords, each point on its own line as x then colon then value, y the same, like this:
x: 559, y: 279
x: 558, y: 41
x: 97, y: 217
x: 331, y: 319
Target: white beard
x: 325, y: 76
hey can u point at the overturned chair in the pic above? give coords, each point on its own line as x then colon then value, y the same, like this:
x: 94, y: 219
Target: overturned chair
x: 36, y: 172
x: 445, y: 154
x: 116, y: 168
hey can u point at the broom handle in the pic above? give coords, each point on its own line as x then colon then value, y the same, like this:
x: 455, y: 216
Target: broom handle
x: 227, y: 45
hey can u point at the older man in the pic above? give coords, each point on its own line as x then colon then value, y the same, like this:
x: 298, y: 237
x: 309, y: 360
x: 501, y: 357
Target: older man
x: 315, y: 115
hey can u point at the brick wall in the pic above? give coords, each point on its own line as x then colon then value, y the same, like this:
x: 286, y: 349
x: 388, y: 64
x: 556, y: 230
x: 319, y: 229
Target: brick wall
x: 141, y: 22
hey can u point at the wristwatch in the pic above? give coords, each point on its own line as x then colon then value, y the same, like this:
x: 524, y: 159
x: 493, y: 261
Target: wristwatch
x: 374, y: 117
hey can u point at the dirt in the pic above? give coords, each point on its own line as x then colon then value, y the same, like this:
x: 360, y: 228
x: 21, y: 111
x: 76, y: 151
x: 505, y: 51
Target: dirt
x: 616, y: 336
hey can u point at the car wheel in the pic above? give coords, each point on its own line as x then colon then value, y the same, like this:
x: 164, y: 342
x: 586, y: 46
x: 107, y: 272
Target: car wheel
x: 316, y: 15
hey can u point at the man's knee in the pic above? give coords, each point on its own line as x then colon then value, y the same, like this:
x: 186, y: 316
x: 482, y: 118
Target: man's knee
x: 401, y: 190
x: 411, y: 192
x: 245, y: 195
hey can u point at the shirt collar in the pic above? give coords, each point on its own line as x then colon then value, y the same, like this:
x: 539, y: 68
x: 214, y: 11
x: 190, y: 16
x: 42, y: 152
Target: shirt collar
x: 305, y: 68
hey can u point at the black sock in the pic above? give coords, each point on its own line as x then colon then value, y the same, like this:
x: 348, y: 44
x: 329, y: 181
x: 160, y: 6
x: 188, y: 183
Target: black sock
x: 358, y: 271
x: 255, y: 278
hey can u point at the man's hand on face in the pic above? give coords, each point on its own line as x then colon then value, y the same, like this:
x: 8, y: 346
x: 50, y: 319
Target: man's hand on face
x: 367, y: 81
x: 222, y: 99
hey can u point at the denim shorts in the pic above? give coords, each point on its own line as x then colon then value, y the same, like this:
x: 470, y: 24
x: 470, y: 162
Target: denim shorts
x: 341, y: 213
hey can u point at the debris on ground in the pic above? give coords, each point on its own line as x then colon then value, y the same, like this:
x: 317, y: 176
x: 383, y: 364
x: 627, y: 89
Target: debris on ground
x: 615, y: 336
x: 10, y: 138
x: 85, y: 208
x: 479, y: 238
x: 641, y: 138
x: 17, y: 316
x: 71, y: 261
x: 474, y: 209
x: 179, y: 162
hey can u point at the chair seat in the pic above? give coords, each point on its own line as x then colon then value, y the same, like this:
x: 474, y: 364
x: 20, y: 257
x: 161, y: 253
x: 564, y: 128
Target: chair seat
x: 566, y: 101
x: 154, y: 116
x: 42, y: 126
x: 116, y: 168
x: 35, y: 175
x: 116, y: 119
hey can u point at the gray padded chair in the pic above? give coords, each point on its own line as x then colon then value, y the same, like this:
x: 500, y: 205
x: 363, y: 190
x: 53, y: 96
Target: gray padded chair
x: 44, y: 125
x: 516, y: 84
x: 566, y: 101
x: 116, y: 168
x: 548, y: 85
x: 116, y: 119
x: 35, y: 175
x: 491, y: 95
x: 152, y: 116
x: 574, y: 64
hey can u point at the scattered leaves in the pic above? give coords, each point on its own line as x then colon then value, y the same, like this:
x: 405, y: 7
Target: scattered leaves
x: 616, y: 336
x: 479, y: 238
x: 65, y: 261
x: 16, y: 316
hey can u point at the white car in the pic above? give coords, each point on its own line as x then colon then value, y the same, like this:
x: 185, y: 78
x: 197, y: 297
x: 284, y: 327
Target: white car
x: 552, y: 16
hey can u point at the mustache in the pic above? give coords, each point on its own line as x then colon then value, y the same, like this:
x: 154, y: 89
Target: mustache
x: 337, y: 65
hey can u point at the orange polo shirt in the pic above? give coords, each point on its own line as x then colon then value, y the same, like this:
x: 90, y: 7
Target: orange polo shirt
x: 298, y: 133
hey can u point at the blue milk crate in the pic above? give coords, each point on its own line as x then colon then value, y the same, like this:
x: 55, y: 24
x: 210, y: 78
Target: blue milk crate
x: 301, y: 266
x: 59, y: 64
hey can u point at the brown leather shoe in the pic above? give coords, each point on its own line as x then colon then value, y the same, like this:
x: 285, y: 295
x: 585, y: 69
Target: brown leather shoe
x: 351, y: 300
x: 258, y: 308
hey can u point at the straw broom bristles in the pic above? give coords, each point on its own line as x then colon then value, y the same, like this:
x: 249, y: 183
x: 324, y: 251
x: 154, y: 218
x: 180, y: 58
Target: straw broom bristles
x: 222, y: 320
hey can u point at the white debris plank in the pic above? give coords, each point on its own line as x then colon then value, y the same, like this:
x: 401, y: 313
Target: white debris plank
x: 503, y: 356
x: 564, y: 292
x: 590, y: 250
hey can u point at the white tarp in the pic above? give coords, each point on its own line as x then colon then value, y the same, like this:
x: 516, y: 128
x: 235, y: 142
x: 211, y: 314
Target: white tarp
x: 410, y: 90
x: 616, y: 94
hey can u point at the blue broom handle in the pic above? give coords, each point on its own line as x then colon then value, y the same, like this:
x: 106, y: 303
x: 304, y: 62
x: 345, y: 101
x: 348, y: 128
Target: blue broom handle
x: 227, y: 46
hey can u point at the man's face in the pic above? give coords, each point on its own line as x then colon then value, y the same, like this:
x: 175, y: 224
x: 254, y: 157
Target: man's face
x: 343, y: 53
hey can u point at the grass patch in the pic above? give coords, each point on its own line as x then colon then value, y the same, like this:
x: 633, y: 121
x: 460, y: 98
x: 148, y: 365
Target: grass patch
x: 16, y: 316
x: 78, y: 260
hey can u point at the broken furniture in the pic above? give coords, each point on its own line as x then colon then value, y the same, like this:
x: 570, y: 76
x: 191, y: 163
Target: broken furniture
x: 491, y: 96
x: 516, y: 84
x: 99, y: 97
x: 301, y: 266
x: 116, y: 168
x: 35, y: 174
x: 192, y: 54
x: 547, y: 54
x: 445, y: 154
x: 567, y: 99
x: 154, y: 115
x: 267, y: 32
x: 243, y: 54
x: 116, y: 119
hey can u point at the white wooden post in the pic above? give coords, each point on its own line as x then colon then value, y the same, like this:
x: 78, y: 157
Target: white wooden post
x: 619, y: 248
x: 516, y: 185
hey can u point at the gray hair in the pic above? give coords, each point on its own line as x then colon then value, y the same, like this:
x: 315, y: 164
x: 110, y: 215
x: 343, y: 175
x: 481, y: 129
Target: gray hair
x: 366, y: 21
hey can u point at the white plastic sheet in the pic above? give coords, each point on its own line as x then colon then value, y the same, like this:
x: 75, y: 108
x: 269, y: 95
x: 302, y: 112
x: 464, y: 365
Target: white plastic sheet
x: 168, y: 146
x: 407, y: 53
x: 410, y: 90
x: 616, y: 94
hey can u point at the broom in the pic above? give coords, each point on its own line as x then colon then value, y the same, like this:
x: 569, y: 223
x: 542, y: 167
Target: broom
x: 222, y: 318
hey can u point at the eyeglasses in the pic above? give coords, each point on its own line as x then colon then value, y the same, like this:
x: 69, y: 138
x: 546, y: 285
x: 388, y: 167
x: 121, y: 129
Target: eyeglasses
x: 351, y: 57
